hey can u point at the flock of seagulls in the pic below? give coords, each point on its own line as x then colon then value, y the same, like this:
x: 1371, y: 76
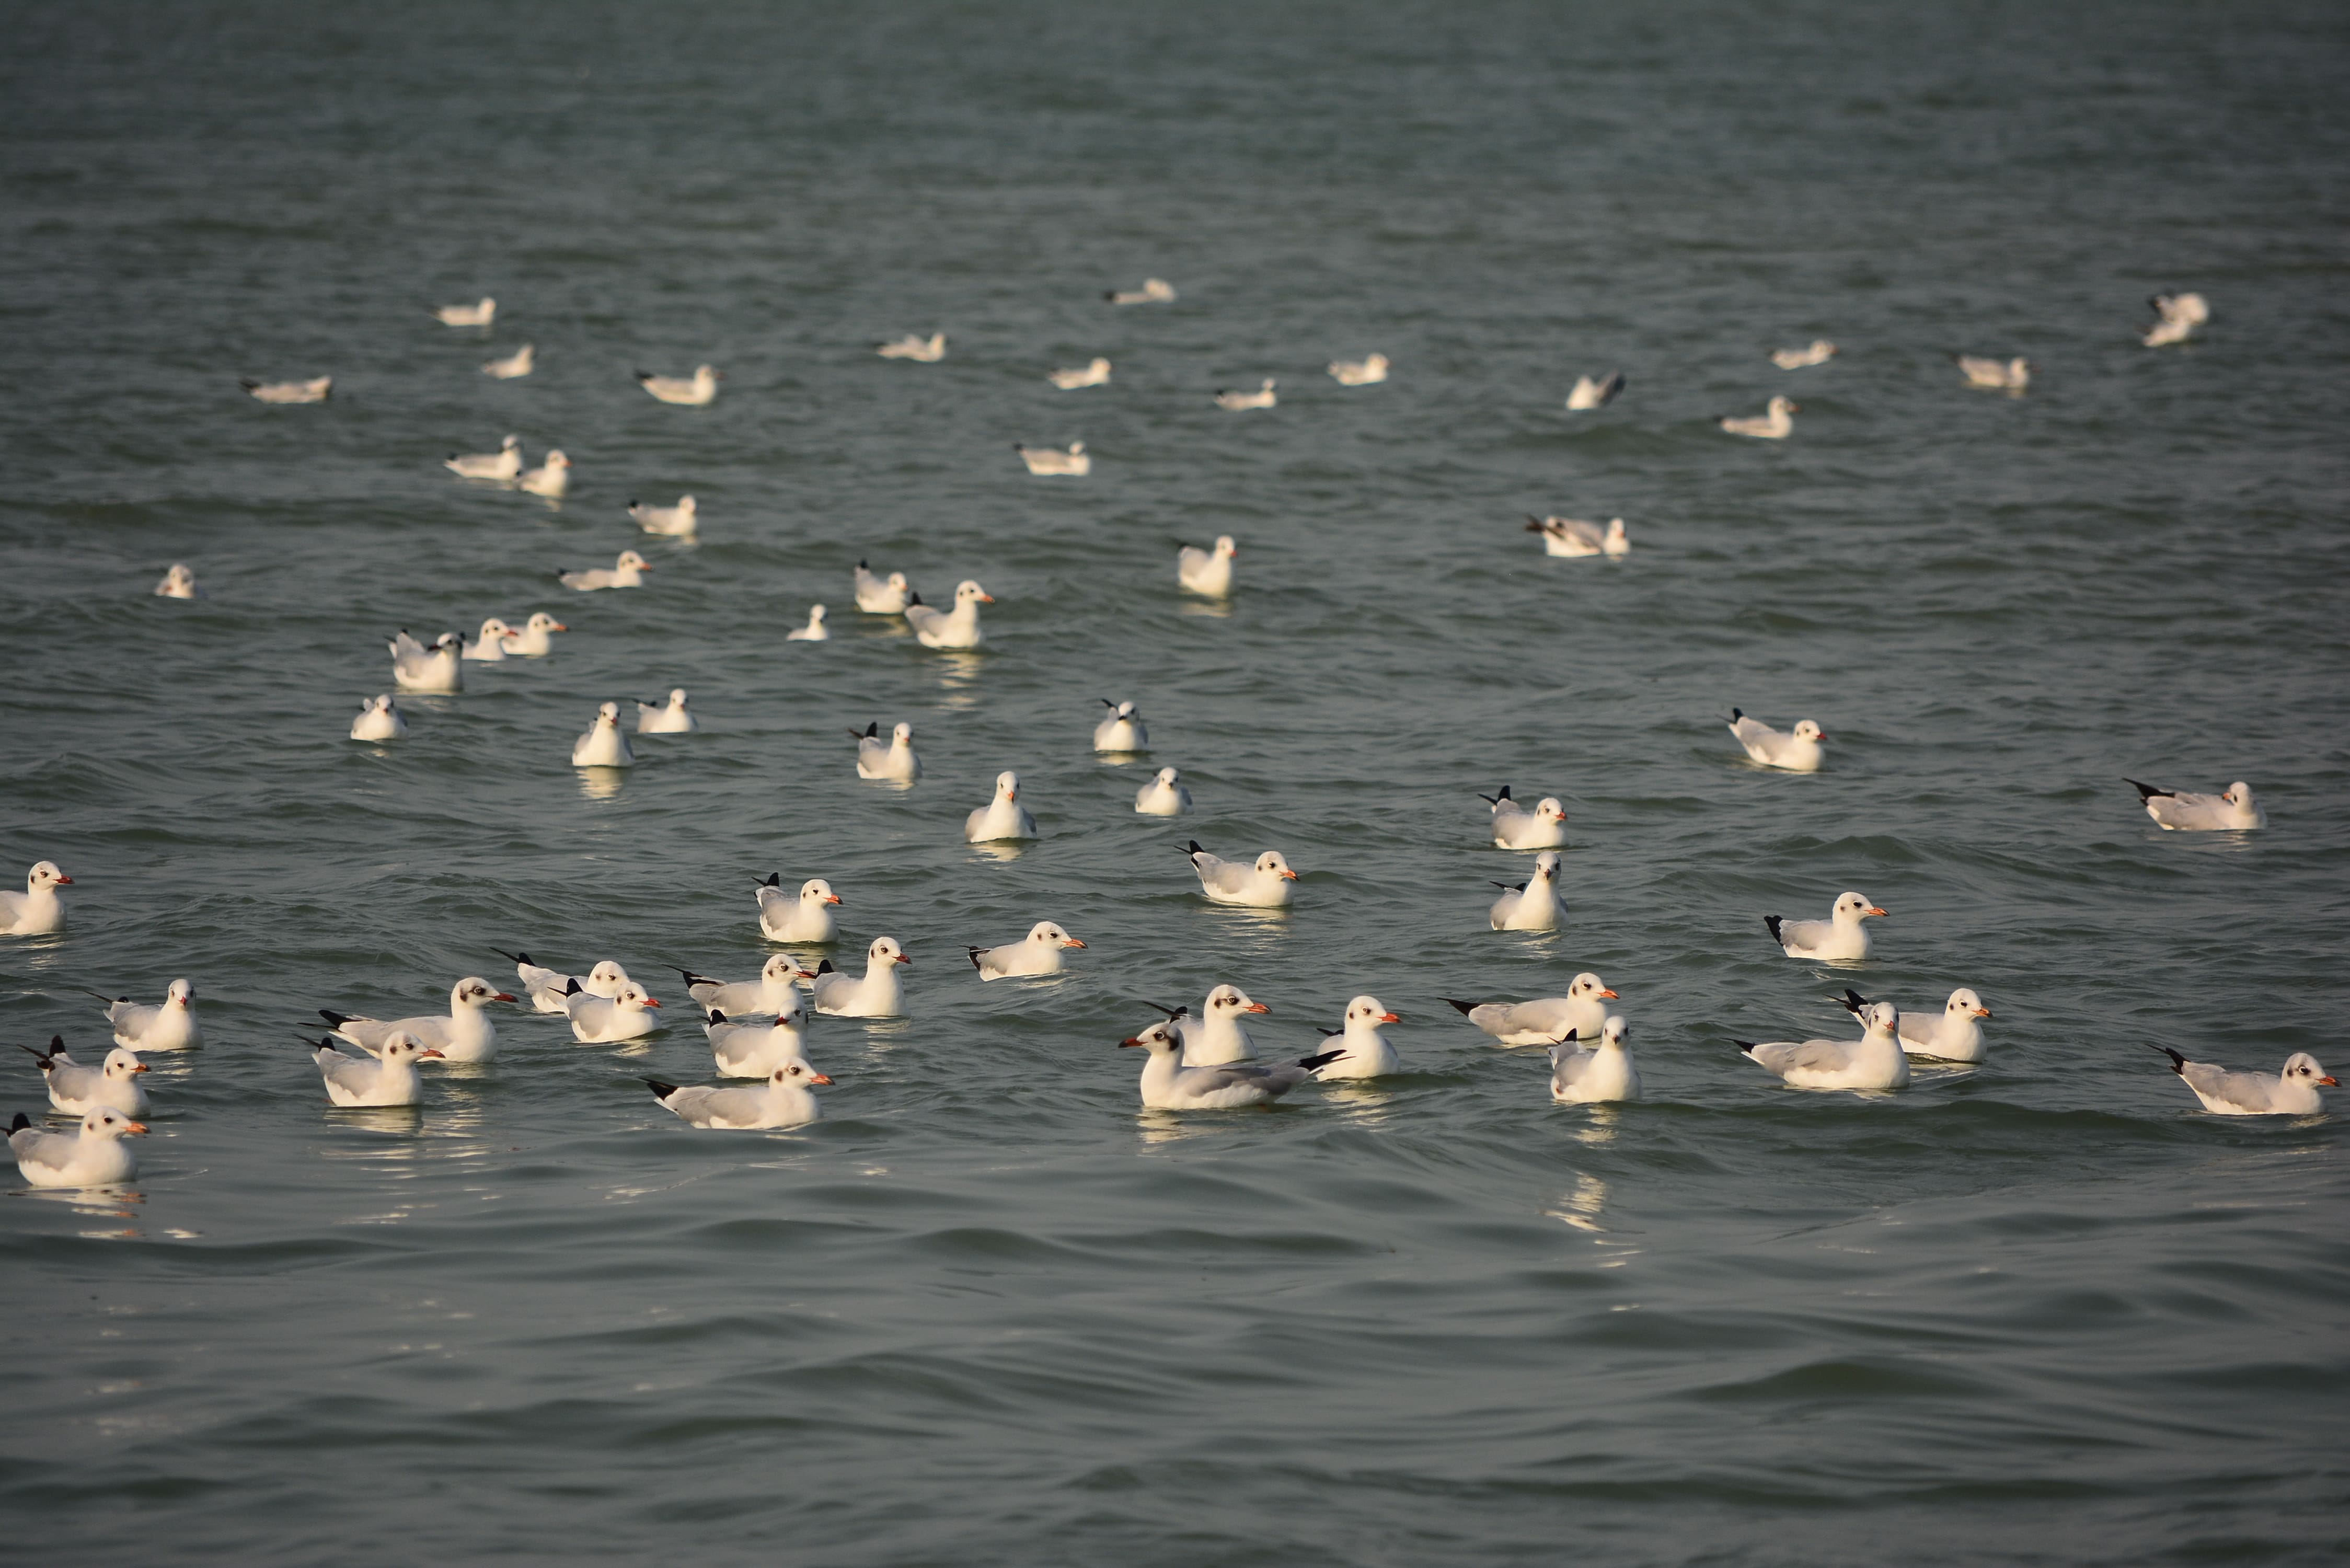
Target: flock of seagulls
x: 1195, y: 1061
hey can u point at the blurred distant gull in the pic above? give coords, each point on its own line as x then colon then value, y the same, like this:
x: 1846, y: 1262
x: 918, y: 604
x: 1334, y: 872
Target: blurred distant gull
x: 1050, y: 459
x: 535, y: 640
x: 1589, y: 394
x: 551, y: 478
x: 438, y: 668
x: 478, y: 315
x: 1515, y: 828
x: 892, y: 759
x: 1874, y: 1060
x: 92, y: 1155
x: 814, y: 631
x: 40, y: 909
x: 1001, y: 818
x: 603, y: 746
x: 669, y: 718
x: 1545, y: 1019
x: 1596, y: 1074
x: 1776, y: 425
x: 1531, y: 905
x: 503, y: 463
x: 2232, y: 809
x: 388, y: 1080
x: 1094, y: 375
x: 804, y: 917
x: 78, y: 1089
x: 784, y: 1102
x: 923, y: 350
x: 881, y: 595
x: 1798, y: 753
x: 1122, y: 731
x: 1163, y: 796
x: 378, y: 719
x: 1368, y: 370
x: 678, y: 521
x: 1154, y: 291
x: 1362, y: 1051
x: 514, y: 366
x: 608, y: 1020
x: 311, y: 392
x: 958, y: 627
x: 1208, y: 573
x: 1820, y: 352
x: 1262, y: 397
x: 166, y: 1025
x: 2292, y: 1092
x: 627, y: 572
x: 875, y: 993
x: 2177, y: 315
x: 179, y: 583
x: 1570, y: 537
x: 2012, y: 376
x: 1039, y: 953
x: 463, y: 1034
x: 1840, y: 936
x: 1169, y: 1086
x: 695, y: 390
x: 1264, y: 885
x: 491, y: 647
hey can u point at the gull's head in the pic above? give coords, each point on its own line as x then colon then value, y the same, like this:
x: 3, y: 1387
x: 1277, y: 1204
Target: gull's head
x: 1369, y: 1011
x: 111, y: 1125
x: 402, y: 1046
x: 2302, y: 1067
x: 1224, y: 546
x: 380, y: 704
x: 449, y: 642
x: 495, y: 627
x: 1375, y: 361
x: 45, y: 874
x: 1614, y: 1033
x: 630, y: 561
x: 632, y: 996
x: 705, y: 373
x: 181, y: 576
x: 121, y: 1065
x: 1271, y: 864
x: 1007, y: 785
x: 1546, y: 865
x: 179, y: 993
x: 1822, y: 345
x: 1160, y: 1040
x: 781, y: 968
x: 815, y: 615
x: 885, y: 949
x: 686, y: 506
x: 816, y: 890
x: 968, y: 592
x: 901, y: 732
x: 797, y: 1073
x: 511, y: 441
x: 1120, y: 709
x: 1615, y: 529
x: 1100, y: 366
x: 677, y: 696
x: 1587, y: 987
x: 1807, y: 730
x: 1850, y: 907
x: 474, y: 992
x: 1168, y: 776
x: 609, y: 713
x: 1549, y: 809
x: 2238, y: 794
x: 1076, y: 448
x: 898, y: 581
x: 1231, y: 1001
x: 1965, y: 1003
x: 556, y: 459
x: 542, y: 622
x: 1781, y: 406
x: 1881, y: 1017
x: 1048, y: 934
x: 608, y: 974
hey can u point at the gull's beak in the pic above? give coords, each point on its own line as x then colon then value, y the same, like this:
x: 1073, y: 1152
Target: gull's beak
x: 502, y: 996
x: 558, y: 626
x: 1257, y: 1007
x: 1390, y: 1018
x: 1873, y: 909
x: 1794, y: 408
x: 1012, y: 795
x: 650, y: 1002
x: 1289, y: 876
x: 64, y: 880
x: 832, y: 898
x: 432, y: 1051
x: 1073, y: 942
x: 987, y: 599
x: 1124, y: 1043
x: 142, y: 1068
x: 2327, y: 1081
x: 819, y: 1078
x: 137, y: 1127
x: 1611, y: 993
x: 1982, y: 1012
x: 903, y: 959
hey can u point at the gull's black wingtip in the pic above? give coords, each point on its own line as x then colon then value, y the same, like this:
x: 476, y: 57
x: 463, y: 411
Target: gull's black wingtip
x: 1321, y: 1059
x: 2177, y: 1062
x: 1772, y: 922
x: 1746, y: 1047
x: 2146, y: 792
x: 1466, y: 1008
x: 661, y: 1091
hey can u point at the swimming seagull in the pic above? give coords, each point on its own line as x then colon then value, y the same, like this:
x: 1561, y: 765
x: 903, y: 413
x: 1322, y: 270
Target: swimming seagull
x: 958, y: 627
x: 814, y: 631
x: 805, y: 918
x: 2011, y: 376
x: 669, y: 718
x: 627, y: 572
x: 922, y: 350
x: 1797, y: 752
x: 1530, y: 905
x: 551, y: 478
x: 390, y: 1079
x: 1163, y: 796
x: 1262, y: 397
x: 1366, y: 372
x: 1589, y: 394
x: 747, y: 1050
x: 1001, y: 818
x: 39, y: 908
x: 1261, y: 886
x: 2291, y: 1092
x: 78, y: 1090
x: 1774, y: 425
x: 879, y: 595
x: 1819, y: 353
x: 784, y: 1102
x: 1208, y: 573
x: 694, y: 391
x: 1545, y: 1020
x: 1216, y: 1035
x: 1363, y: 1050
x: 1039, y: 953
x: 1154, y: 291
x: 2177, y: 315
x: 1515, y: 828
x: 1570, y: 537
x: 379, y: 720
x: 1874, y: 1060
x: 514, y: 366
x: 1051, y: 460
x: 535, y: 640
x: 893, y: 759
x: 548, y: 988
x: 772, y: 993
x: 2233, y: 809
x: 490, y: 648
x: 91, y: 1156
x: 1839, y: 937
x: 1093, y: 375
x: 463, y: 1034
x: 1596, y: 1074
x: 608, y: 1020
x: 1949, y: 1035
x: 503, y: 463
x: 166, y: 1025
x: 440, y: 667
x: 603, y: 746
x: 678, y: 521
x: 1169, y: 1086
x: 480, y: 315
x: 1122, y: 731
x: 180, y: 583
x: 311, y: 392
x: 875, y: 994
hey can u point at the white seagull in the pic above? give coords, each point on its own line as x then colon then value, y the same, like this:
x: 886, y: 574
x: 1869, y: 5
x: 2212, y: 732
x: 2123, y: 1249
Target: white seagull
x: 389, y: 1078
x: 604, y: 745
x: 1819, y: 352
x: 1589, y: 394
x: 1994, y: 375
x: 1262, y: 397
x: 92, y: 1155
x: 2233, y: 809
x: 1363, y: 1050
x: 1261, y: 886
x: 1039, y: 953
x: 1530, y: 905
x: 180, y: 583
x: 1582, y: 1012
x: 1048, y: 460
x: 514, y: 366
x: 743, y: 1050
x: 1094, y: 375
x: 784, y: 1102
x: 874, y: 994
x: 1216, y: 1035
x: 1001, y: 818
x: 490, y: 648
x: 1597, y: 1075
x: 694, y: 391
x: 892, y: 759
x: 1949, y: 1035
x: 39, y: 908
x: 378, y: 719
x: 1797, y: 752
x: 551, y: 478
x: 608, y: 1020
x: 311, y: 392
x: 78, y: 1090
x: 1774, y: 425
x: 2291, y: 1092
x: 773, y: 991
x: 1169, y: 1086
x: 1122, y: 731
x: 805, y: 918
x: 535, y: 640
x: 1366, y: 372
x: 477, y: 315
x: 1164, y: 796
x: 882, y: 595
x: 676, y: 521
x: 1515, y: 828
x: 814, y: 631
x: 627, y: 572
x: 669, y: 718
x: 549, y: 988
x: 922, y: 350
x: 439, y: 667
x: 1839, y: 937
x: 503, y: 463
x: 958, y: 627
x: 463, y: 1034
x: 166, y: 1025
x: 2177, y: 315
x: 1874, y: 1060
x: 1154, y: 291
x: 1208, y: 573
x: 1572, y: 537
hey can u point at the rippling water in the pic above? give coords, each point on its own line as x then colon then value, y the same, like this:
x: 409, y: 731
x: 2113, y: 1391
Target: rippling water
x: 2042, y: 1310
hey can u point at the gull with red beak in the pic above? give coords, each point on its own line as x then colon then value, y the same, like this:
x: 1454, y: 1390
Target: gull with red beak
x: 1208, y: 573
x: 2233, y: 809
x: 1168, y: 1084
x: 1263, y: 886
x: 1874, y: 1060
x: 1216, y: 1035
x: 548, y: 988
x: 465, y: 1034
x: 1839, y: 937
x: 1532, y: 904
x: 389, y: 1080
x: 875, y: 995
x: 168, y: 1025
x: 535, y: 641
x: 806, y: 919
x: 92, y: 1155
x: 1039, y: 953
x: 1001, y: 818
x: 1363, y: 1050
x: 773, y: 991
x: 1515, y: 828
x: 783, y: 1101
x: 608, y: 1020
x: 2291, y: 1092
x: 1582, y: 1012
x: 1594, y: 1075
x: 748, y: 1049
x: 39, y: 910
x: 76, y: 1090
x: 935, y: 628
x: 437, y: 667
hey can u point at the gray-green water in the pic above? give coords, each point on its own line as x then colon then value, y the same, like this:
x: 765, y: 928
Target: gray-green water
x: 2044, y: 1311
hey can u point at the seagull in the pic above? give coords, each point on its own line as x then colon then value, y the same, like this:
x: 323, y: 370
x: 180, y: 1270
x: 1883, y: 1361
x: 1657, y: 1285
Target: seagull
x: 755, y: 1050
x: 2177, y: 315
x: 1797, y: 752
x: 1262, y: 397
x: 378, y: 719
x: 669, y: 718
x: 1570, y: 537
x: 1596, y: 1076
x: 1217, y: 1035
x: 1819, y: 353
x: 1263, y: 886
x: 1531, y: 905
x: 2292, y: 1092
x: 311, y: 392
x: 806, y: 919
x: 1154, y: 291
x: 958, y: 627
x: 416, y: 667
x: 1515, y: 828
x: 923, y: 350
x: 1169, y: 1086
x: 91, y: 1156
x: 1949, y: 1035
x: 1545, y: 1020
x: 1775, y: 425
x: 1093, y: 375
x: 1840, y: 936
x: 1362, y: 1051
x: 892, y: 759
x: 784, y: 1101
x: 1122, y: 731
x: 814, y: 631
x: 76, y: 1090
x: 480, y: 315
x: 180, y: 583
x: 491, y: 647
x: 676, y: 521
x: 535, y: 641
x: 875, y: 994
x: 1208, y: 573
x: 608, y: 1020
x: 2232, y: 809
x: 603, y: 746
x: 700, y: 388
x: 1366, y: 372
x: 1051, y: 459
x: 464, y: 1033
x: 1589, y: 394
x: 514, y: 366
x: 1001, y: 818
x: 773, y: 991
x: 627, y: 572
x: 551, y: 478
x: 1039, y: 953
x: 548, y: 988
x: 388, y: 1079
x: 877, y: 596
x: 166, y: 1025
x: 1874, y: 1060
x: 1163, y: 796
x: 39, y: 910
x: 503, y: 463
x: 2012, y: 376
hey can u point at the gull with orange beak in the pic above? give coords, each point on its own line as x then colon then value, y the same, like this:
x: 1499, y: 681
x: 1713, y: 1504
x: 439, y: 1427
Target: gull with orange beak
x: 608, y: 1020
x: 1208, y: 573
x: 1530, y: 905
x: 39, y: 910
x: 76, y: 1090
x: 90, y: 1156
x: 878, y: 994
x: 804, y: 918
x: 1263, y: 886
x: 389, y: 1080
x: 535, y: 641
x: 1841, y: 936
x: 1545, y: 1020
x: 1798, y: 753
x: 1363, y: 1050
x: 2291, y: 1092
x: 167, y: 1025
x: 1950, y: 1035
x: 783, y: 1101
x: 465, y: 1034
x: 935, y: 628
x: 1168, y: 1084
x: 1037, y: 953
x: 1216, y: 1035
x: 1003, y: 819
